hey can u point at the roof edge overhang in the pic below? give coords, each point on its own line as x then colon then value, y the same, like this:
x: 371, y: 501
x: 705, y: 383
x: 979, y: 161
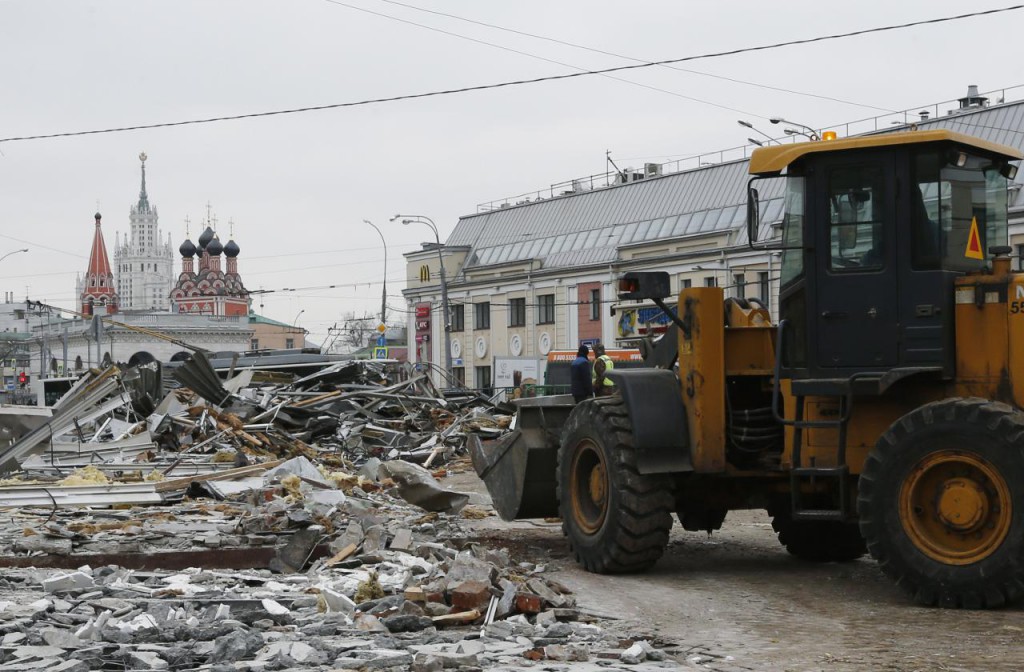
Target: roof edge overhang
x: 773, y: 160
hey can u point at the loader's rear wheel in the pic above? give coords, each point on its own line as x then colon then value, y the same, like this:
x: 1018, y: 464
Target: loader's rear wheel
x: 941, y: 503
x: 818, y: 540
x: 616, y: 519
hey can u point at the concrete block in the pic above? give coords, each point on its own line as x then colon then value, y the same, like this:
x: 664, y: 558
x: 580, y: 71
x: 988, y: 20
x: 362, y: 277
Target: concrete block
x: 61, y: 583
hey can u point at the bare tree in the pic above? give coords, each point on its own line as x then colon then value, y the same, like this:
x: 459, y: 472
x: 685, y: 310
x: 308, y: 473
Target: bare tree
x: 357, y: 332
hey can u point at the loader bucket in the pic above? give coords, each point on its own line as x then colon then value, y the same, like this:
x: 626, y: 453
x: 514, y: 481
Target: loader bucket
x: 519, y: 468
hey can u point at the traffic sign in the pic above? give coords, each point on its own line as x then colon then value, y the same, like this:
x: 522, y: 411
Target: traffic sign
x: 380, y: 353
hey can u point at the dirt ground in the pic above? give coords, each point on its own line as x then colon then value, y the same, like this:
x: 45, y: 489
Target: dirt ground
x: 738, y: 601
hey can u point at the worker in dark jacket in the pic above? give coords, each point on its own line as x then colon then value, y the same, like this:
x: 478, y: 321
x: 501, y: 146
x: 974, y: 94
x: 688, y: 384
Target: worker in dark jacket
x: 579, y: 375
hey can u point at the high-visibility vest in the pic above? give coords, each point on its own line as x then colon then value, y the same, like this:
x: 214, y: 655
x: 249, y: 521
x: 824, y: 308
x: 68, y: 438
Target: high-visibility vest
x: 608, y: 366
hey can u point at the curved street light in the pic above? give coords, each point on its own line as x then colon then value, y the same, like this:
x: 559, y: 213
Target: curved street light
x: 296, y: 320
x: 24, y: 249
x: 408, y: 219
x: 384, y: 292
x: 813, y: 134
x: 749, y: 125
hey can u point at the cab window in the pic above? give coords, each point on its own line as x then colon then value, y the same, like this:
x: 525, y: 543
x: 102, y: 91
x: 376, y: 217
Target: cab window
x: 856, y: 219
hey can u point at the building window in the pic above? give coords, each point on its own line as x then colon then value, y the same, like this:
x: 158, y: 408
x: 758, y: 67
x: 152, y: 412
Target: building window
x: 289, y: 343
x: 482, y: 315
x: 739, y: 282
x: 1020, y: 257
x: 516, y: 312
x: 709, y: 281
x: 254, y: 344
x: 482, y: 376
x: 459, y: 376
x: 687, y: 283
x: 458, y: 317
x: 764, y: 289
x: 546, y: 309
x: 595, y: 305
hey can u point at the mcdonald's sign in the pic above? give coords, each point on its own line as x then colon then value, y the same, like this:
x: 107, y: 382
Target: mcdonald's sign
x: 424, y: 273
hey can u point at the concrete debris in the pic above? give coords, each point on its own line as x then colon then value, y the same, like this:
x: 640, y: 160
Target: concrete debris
x: 264, y: 524
x: 417, y: 486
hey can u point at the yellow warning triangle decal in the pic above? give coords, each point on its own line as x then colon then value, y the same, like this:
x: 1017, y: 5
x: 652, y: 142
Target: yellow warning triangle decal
x: 973, y: 250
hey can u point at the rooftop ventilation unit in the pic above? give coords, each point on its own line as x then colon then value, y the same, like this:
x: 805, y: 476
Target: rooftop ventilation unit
x: 652, y: 169
x: 972, y: 99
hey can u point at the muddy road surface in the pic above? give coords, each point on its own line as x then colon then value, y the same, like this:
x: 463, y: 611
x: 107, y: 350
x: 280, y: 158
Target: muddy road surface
x: 737, y: 601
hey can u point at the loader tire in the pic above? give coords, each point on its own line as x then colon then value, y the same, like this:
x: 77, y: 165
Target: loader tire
x: 616, y: 519
x: 819, y: 540
x: 941, y: 503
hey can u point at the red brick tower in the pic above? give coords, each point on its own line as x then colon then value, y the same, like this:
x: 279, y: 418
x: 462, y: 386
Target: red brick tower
x: 98, y: 294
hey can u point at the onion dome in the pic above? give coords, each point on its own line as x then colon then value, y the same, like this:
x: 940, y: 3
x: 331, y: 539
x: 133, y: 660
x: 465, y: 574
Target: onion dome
x: 231, y: 249
x: 187, y: 249
x: 214, y: 248
x: 205, y: 238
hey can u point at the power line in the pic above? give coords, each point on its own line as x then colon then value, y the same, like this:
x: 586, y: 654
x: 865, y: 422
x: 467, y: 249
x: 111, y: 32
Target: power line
x: 511, y: 83
x: 40, y: 245
x: 541, y: 58
x: 628, y: 58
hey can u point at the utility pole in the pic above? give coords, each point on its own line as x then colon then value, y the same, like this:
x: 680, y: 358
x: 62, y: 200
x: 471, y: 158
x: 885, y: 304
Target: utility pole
x: 444, y: 289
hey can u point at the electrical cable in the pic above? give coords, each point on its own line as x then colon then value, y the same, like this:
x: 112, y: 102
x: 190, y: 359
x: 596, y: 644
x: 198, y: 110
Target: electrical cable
x: 542, y: 58
x: 513, y: 83
x: 628, y: 58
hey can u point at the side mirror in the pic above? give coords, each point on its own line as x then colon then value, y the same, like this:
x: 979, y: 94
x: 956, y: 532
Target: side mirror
x: 753, y: 214
x: 639, y: 285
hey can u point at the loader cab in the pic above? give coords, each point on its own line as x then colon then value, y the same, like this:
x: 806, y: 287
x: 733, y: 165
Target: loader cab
x: 876, y: 230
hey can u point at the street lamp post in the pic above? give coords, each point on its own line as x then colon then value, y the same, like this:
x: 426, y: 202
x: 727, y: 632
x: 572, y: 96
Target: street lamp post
x: 444, y: 290
x: 295, y: 323
x: 759, y: 143
x: 813, y: 134
x: 24, y: 249
x: 384, y: 292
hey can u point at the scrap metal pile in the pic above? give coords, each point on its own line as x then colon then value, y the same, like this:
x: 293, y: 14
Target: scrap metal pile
x: 268, y: 523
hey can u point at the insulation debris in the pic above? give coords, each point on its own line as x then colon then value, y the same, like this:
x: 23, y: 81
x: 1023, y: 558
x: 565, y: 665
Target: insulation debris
x: 264, y: 523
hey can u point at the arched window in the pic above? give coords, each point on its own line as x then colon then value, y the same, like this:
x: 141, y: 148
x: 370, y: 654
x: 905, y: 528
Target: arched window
x: 78, y: 363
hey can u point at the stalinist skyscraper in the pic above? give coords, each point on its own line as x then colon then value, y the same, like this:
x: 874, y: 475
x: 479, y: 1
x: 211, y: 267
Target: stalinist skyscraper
x: 143, y: 260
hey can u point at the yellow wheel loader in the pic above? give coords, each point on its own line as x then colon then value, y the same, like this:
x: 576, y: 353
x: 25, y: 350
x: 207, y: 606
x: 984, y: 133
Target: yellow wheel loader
x: 881, y: 413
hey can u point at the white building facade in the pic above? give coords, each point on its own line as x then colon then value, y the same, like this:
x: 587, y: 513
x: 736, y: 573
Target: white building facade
x: 144, y: 259
x: 540, y: 275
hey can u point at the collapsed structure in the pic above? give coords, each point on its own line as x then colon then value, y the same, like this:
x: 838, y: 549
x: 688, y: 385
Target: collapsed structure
x: 267, y: 522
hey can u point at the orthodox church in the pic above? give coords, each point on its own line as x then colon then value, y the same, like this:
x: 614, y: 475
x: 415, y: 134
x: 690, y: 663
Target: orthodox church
x: 141, y: 279
x: 208, y: 290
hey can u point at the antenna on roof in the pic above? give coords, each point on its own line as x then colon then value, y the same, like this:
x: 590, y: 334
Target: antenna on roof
x: 608, y: 159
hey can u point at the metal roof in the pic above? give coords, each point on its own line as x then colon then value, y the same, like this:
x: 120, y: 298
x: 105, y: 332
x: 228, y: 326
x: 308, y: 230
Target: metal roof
x: 589, y: 227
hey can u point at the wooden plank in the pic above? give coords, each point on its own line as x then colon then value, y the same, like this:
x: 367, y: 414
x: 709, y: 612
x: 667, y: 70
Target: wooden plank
x: 231, y: 474
x: 461, y: 618
x: 342, y: 555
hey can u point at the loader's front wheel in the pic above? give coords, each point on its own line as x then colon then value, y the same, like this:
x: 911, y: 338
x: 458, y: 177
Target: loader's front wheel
x: 941, y: 503
x: 616, y: 519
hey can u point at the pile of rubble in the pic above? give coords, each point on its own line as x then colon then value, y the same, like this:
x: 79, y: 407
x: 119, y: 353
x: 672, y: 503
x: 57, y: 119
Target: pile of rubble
x: 267, y: 524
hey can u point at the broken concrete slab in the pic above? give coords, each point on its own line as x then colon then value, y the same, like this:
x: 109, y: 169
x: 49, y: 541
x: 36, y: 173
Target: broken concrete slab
x: 417, y: 486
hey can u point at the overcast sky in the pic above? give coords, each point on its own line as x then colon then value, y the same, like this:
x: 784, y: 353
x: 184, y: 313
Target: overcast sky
x: 299, y: 186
